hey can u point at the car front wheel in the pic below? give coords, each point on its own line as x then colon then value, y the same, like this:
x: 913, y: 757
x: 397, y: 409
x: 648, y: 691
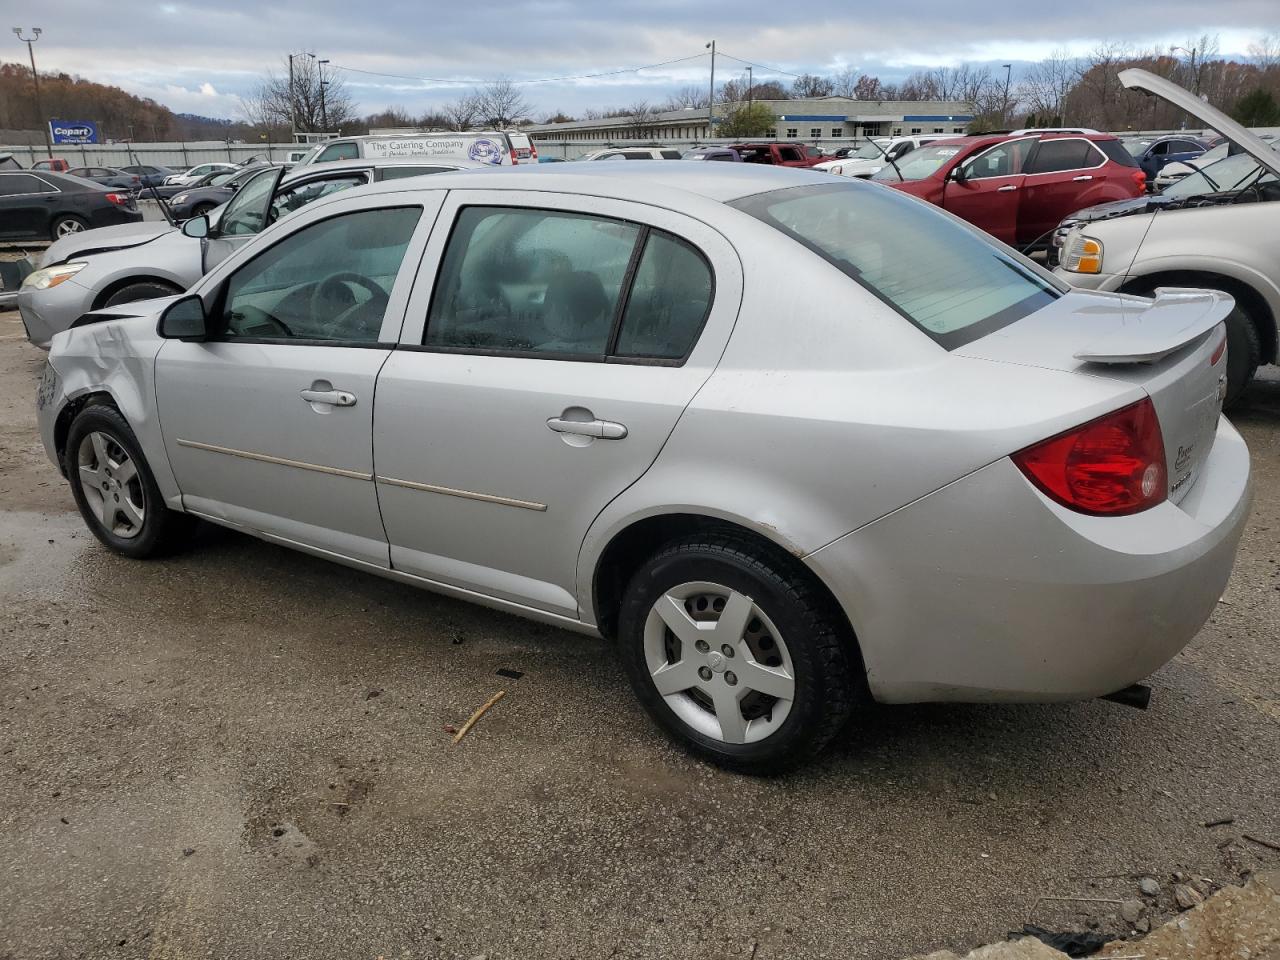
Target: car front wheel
x: 736, y: 653
x: 114, y: 488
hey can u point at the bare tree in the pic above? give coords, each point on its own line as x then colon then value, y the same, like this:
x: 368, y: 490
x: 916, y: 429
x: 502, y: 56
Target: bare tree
x: 811, y: 85
x: 686, y: 97
x: 870, y: 88
x: 501, y: 103
x: 463, y: 113
x: 641, y: 118
x: 845, y: 83
x: 298, y: 99
x: 1044, y: 87
x: 1266, y: 52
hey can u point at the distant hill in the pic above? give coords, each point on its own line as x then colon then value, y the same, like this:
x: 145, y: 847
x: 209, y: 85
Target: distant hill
x: 119, y: 115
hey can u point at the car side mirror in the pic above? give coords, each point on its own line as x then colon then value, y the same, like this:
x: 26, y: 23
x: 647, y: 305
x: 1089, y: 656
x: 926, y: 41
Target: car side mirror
x: 184, y: 319
x: 957, y: 174
x: 197, y: 227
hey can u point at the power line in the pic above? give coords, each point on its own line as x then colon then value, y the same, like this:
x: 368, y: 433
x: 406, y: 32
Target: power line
x: 584, y: 76
x: 762, y: 66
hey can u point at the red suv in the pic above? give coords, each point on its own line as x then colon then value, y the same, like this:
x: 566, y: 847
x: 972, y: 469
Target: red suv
x: 1018, y: 187
x: 778, y: 154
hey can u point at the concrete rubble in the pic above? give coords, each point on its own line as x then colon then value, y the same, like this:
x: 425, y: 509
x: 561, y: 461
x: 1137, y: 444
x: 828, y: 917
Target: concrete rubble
x: 1236, y: 923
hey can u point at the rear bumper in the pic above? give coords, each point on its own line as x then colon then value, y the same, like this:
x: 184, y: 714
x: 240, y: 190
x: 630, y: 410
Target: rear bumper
x: 987, y: 591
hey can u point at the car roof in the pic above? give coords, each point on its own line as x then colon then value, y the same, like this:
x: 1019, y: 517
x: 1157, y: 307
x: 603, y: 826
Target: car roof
x: 364, y: 163
x: 640, y: 180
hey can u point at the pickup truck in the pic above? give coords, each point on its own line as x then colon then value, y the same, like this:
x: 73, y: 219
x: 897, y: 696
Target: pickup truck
x: 777, y: 154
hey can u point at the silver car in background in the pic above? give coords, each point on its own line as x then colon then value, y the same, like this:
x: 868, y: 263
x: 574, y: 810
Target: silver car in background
x: 111, y: 266
x: 580, y: 394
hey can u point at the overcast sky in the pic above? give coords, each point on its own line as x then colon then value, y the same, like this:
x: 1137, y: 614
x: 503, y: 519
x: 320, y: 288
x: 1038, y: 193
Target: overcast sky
x: 199, y: 57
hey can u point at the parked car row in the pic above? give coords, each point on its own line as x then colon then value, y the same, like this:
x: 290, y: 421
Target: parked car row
x: 38, y: 204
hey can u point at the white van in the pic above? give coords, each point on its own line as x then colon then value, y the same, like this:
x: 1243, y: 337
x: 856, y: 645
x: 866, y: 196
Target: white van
x: 495, y: 147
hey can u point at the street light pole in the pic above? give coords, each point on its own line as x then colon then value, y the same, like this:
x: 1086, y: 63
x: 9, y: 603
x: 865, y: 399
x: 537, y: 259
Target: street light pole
x: 711, y: 103
x: 35, y: 79
x: 1004, y: 108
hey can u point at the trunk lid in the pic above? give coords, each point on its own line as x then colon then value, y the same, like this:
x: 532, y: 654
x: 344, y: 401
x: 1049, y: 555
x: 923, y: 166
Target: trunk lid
x: 1166, y: 347
x: 1167, y: 90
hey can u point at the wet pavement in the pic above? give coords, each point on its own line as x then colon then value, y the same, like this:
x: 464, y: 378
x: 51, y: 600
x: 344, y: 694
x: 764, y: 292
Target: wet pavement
x: 241, y: 752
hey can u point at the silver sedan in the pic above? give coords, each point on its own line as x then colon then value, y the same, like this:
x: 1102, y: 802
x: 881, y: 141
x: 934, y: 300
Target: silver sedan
x: 619, y: 400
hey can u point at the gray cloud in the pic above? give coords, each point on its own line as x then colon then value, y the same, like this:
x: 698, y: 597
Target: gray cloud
x: 199, y: 57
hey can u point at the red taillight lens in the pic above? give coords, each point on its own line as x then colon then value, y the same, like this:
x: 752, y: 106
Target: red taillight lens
x: 1218, y: 352
x: 1110, y: 466
x: 1140, y: 178
x: 118, y: 199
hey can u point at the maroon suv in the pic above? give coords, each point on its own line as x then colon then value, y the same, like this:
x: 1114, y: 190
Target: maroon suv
x: 1018, y: 187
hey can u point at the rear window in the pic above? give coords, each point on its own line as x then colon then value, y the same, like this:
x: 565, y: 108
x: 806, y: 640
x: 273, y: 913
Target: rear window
x: 940, y: 275
x: 670, y: 154
x: 1117, y: 151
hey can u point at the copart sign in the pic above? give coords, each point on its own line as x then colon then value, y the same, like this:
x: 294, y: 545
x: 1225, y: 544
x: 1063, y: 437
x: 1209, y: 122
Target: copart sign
x: 73, y: 131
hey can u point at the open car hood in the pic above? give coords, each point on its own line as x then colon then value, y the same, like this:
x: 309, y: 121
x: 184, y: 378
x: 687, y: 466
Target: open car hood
x: 1167, y: 90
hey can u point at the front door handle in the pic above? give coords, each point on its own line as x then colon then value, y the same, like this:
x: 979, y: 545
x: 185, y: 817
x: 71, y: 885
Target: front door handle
x: 1081, y: 179
x: 1007, y: 188
x: 339, y: 398
x: 599, y: 429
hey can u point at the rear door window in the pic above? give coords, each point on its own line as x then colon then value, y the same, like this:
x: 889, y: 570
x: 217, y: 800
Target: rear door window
x: 942, y: 276
x: 19, y: 184
x: 1054, y: 156
x: 531, y: 281
x: 668, y: 301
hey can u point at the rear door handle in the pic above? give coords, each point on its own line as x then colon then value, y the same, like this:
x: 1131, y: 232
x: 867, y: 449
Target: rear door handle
x: 339, y: 398
x: 1081, y: 179
x: 599, y: 429
x: 1008, y: 188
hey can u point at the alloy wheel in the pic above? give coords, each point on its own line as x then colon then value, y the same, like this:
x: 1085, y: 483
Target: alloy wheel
x: 111, y: 484
x: 68, y: 227
x: 719, y: 662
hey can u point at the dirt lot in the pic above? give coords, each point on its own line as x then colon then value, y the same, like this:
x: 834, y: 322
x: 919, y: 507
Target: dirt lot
x: 240, y: 752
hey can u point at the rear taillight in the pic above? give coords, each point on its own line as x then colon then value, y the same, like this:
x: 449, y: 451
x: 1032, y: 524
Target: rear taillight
x: 119, y: 199
x: 1109, y: 467
x: 1140, y: 178
x: 533, y: 152
x: 1218, y: 352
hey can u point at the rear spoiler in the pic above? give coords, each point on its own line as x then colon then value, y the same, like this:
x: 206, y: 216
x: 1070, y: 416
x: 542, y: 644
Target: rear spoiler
x: 1174, y: 319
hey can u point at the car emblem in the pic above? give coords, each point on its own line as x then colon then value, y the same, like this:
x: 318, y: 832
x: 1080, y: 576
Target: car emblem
x: 715, y: 660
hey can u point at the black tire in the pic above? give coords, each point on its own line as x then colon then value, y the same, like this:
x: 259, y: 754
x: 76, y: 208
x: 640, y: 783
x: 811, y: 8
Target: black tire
x: 1244, y: 354
x: 55, y: 228
x: 162, y: 529
x: 201, y: 209
x: 142, y: 290
x: 827, y: 668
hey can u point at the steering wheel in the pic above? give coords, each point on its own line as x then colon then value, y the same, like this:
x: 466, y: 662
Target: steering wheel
x: 332, y: 291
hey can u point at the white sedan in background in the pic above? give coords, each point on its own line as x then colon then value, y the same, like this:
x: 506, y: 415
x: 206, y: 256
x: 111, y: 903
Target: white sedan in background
x: 868, y: 159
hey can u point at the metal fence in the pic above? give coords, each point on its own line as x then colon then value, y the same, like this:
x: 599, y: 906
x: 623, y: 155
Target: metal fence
x: 174, y: 154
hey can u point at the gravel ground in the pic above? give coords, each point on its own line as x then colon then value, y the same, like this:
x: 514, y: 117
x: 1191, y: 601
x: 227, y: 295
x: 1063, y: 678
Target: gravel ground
x: 240, y: 752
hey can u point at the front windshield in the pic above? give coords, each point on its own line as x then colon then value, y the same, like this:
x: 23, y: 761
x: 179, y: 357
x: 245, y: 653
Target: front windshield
x: 918, y: 164
x: 868, y: 151
x: 941, y: 275
x: 1136, y: 148
x: 310, y: 155
x: 1226, y: 176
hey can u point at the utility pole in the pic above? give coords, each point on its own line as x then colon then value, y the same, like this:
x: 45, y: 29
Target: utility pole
x: 293, y: 104
x: 324, y: 113
x: 35, y: 79
x: 711, y: 103
x: 1004, y: 108
x: 750, y: 85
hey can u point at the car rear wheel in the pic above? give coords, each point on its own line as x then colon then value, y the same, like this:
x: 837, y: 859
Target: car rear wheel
x: 142, y: 290
x: 735, y: 653
x: 66, y: 225
x: 114, y: 488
